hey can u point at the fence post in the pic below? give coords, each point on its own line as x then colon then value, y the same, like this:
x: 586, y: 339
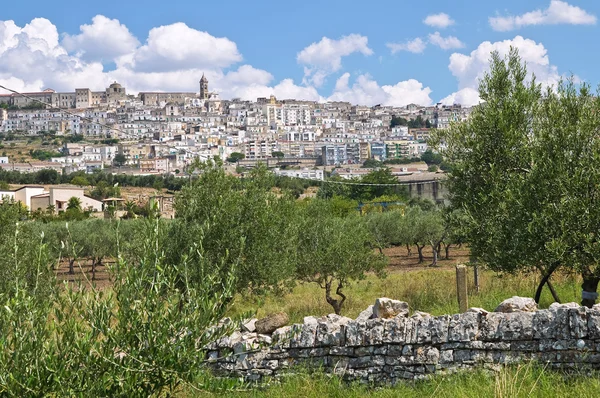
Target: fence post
x: 461, y: 288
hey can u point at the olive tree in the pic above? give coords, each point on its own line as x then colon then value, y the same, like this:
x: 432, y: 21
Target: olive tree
x: 333, y: 252
x: 246, y: 220
x: 525, y: 173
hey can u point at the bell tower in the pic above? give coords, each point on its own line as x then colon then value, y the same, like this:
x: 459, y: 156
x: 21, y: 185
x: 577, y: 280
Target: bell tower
x: 203, y: 88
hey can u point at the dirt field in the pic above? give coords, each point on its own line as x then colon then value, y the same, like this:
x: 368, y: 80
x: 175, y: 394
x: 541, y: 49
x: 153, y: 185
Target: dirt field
x: 399, y: 261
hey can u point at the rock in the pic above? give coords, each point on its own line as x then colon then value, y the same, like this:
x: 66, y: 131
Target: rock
x: 420, y: 314
x: 249, y: 325
x: 310, y: 320
x: 269, y: 324
x: 386, y: 308
x: 556, y: 306
x: 478, y: 310
x: 517, y: 304
x: 365, y: 315
x: 337, y: 319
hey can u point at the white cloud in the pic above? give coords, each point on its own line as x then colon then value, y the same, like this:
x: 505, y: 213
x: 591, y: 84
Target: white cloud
x: 468, y: 69
x: 414, y: 46
x: 467, y: 96
x: 366, y: 91
x: 445, y: 43
x: 325, y: 57
x: 177, y: 46
x: 104, y: 39
x: 32, y: 59
x: 441, y: 20
x: 558, y: 12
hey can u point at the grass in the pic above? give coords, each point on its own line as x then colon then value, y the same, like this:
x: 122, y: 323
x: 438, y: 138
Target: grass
x: 527, y: 380
x: 430, y: 290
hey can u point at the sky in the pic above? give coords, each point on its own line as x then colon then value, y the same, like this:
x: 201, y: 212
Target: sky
x: 389, y: 52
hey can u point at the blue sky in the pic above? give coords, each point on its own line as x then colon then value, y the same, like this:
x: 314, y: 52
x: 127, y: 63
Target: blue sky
x: 386, y: 52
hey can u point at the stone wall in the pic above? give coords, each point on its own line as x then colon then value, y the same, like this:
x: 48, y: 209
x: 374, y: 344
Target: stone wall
x: 385, y: 345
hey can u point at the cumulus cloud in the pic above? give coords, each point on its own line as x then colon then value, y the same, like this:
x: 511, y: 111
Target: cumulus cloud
x: 416, y: 46
x: 440, y: 21
x: 558, y: 12
x: 467, y: 96
x: 469, y: 69
x: 173, y: 58
x: 177, y: 46
x: 104, y: 39
x: 325, y: 57
x: 366, y: 91
x: 445, y: 43
x: 32, y: 59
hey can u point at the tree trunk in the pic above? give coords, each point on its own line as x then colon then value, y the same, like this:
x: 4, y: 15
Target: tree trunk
x: 435, y: 256
x: 447, y: 248
x: 71, y: 266
x: 409, y: 250
x: 94, y: 268
x: 554, y: 294
x: 589, y: 287
x: 421, y: 257
x: 546, y: 280
x: 335, y: 303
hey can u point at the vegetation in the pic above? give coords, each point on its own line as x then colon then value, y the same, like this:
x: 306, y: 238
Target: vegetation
x: 418, y: 122
x: 524, y: 171
x: 346, y: 256
x: 529, y: 380
x: 44, y: 155
x: 48, y: 176
x: 119, y: 159
x: 235, y: 157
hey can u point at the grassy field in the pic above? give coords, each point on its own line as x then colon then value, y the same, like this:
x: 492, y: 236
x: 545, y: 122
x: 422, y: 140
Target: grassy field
x: 520, y: 381
x: 424, y: 288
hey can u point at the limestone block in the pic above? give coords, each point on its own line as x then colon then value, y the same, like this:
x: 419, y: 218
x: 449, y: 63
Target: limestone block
x: 365, y: 315
x: 270, y: 323
x: 249, y: 325
x: 387, y: 308
x: 395, y: 330
x: 463, y: 327
x: 517, y: 304
x: 374, y: 332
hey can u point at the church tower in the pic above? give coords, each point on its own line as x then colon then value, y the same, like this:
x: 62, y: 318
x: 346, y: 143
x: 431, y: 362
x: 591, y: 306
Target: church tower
x: 203, y: 88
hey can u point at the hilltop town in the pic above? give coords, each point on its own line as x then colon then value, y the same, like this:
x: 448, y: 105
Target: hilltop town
x: 163, y: 132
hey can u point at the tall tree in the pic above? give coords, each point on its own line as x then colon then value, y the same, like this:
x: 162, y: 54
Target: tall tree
x: 524, y: 171
x: 333, y: 252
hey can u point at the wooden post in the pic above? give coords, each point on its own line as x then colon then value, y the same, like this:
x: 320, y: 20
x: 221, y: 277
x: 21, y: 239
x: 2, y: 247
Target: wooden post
x: 476, y: 277
x: 461, y: 288
x: 473, y: 262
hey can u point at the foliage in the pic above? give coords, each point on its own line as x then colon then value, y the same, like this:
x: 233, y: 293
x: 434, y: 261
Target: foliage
x: 44, y: 155
x: 248, y: 222
x: 371, y: 164
x: 119, y: 159
x: 278, y: 154
x: 235, y: 157
x: 402, y: 160
x: 80, y: 181
x: 432, y: 158
x: 145, y: 337
x: 333, y: 252
x: 524, y: 171
x: 48, y: 176
x: 418, y: 122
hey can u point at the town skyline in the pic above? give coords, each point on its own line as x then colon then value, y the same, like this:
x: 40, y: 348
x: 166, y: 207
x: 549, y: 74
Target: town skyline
x: 433, y: 54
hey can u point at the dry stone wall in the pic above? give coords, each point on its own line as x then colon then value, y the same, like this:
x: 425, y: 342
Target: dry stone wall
x: 399, y: 347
